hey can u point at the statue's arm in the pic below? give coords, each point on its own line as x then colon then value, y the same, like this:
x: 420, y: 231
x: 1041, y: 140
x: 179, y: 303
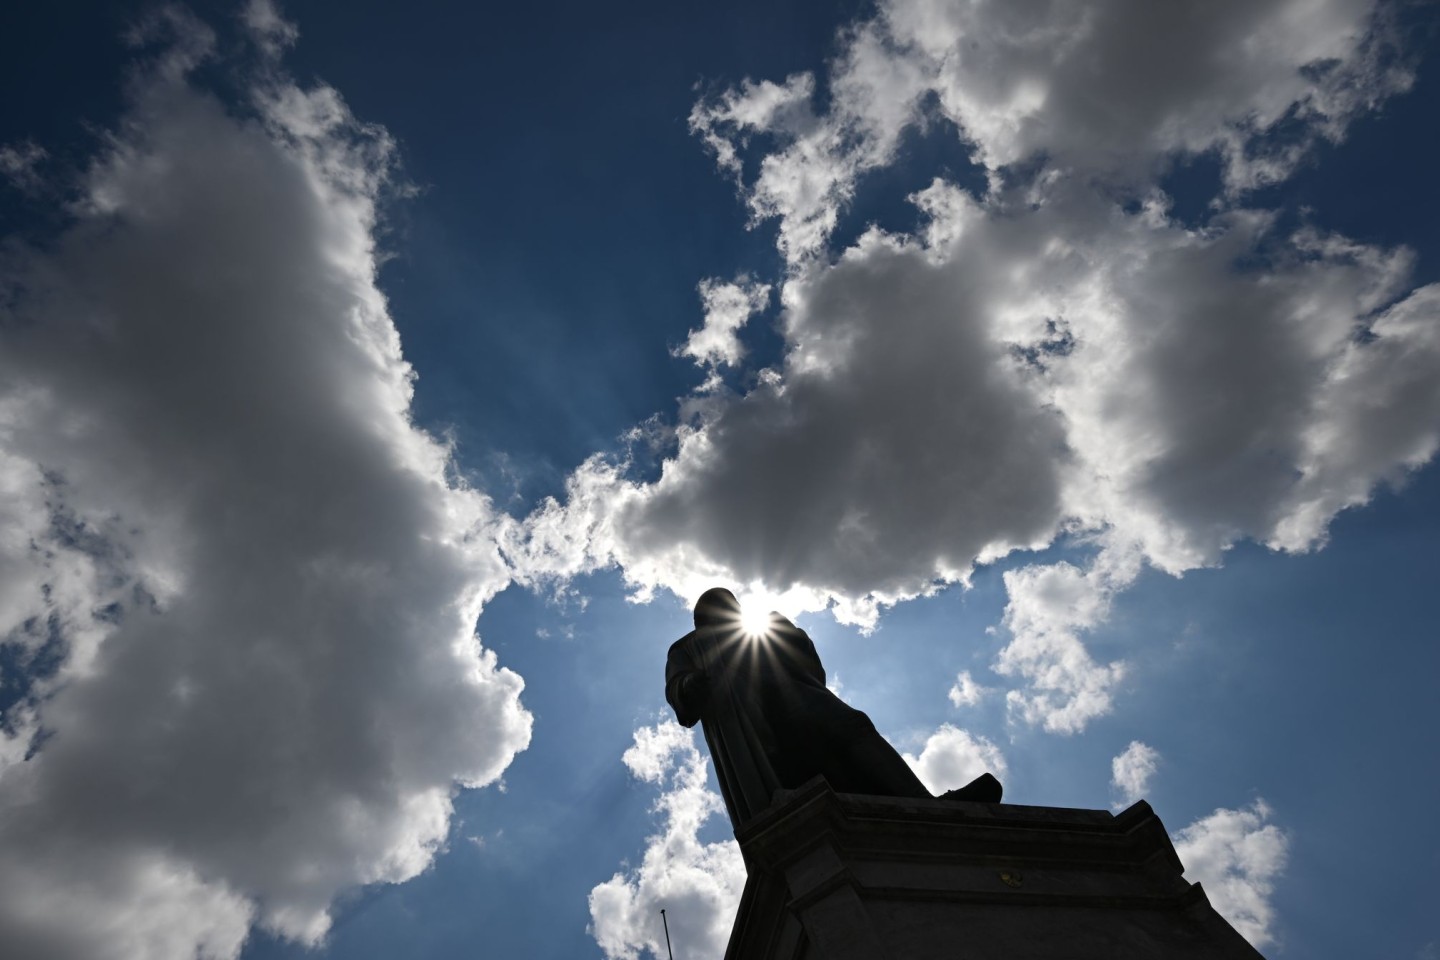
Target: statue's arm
x: 687, y: 688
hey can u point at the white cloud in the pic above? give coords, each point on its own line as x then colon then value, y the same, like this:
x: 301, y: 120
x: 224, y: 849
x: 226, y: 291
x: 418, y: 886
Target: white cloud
x: 1130, y: 772
x: 1236, y: 856
x: 966, y: 692
x: 810, y: 174
x: 1115, y: 87
x: 953, y: 757
x: 1046, y: 362
x: 1120, y: 85
x: 261, y: 584
x: 1050, y: 606
x: 727, y: 308
x: 698, y: 884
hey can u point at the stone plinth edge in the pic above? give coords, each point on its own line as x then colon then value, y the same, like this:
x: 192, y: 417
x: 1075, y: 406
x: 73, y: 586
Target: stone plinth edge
x: 847, y: 877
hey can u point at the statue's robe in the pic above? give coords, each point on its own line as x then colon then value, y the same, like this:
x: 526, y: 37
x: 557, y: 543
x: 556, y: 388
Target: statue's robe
x: 769, y: 720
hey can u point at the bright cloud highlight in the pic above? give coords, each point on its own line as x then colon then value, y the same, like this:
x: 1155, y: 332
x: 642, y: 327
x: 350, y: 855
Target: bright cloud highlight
x: 728, y: 307
x: 1236, y: 855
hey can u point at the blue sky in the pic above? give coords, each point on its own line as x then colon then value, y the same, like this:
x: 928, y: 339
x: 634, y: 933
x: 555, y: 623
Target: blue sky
x: 379, y: 383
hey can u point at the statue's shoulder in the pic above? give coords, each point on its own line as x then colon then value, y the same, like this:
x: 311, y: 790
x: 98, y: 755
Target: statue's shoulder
x: 683, y: 645
x: 782, y: 624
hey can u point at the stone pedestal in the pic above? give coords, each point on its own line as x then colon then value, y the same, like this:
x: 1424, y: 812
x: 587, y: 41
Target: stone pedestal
x: 844, y: 877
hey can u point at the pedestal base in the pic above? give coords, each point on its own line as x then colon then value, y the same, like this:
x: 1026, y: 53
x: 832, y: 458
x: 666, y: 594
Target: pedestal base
x: 846, y: 877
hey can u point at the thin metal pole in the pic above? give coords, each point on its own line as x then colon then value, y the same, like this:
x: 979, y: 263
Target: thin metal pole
x: 667, y: 933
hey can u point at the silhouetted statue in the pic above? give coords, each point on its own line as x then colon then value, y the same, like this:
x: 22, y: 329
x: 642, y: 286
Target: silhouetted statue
x: 770, y: 721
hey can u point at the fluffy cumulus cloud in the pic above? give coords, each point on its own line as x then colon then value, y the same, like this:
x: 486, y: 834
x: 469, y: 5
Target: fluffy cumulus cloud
x: 241, y: 587
x: 697, y: 884
x: 953, y: 757
x: 1119, y: 85
x: 1050, y: 607
x: 1130, y: 772
x: 1236, y: 856
x: 1050, y: 357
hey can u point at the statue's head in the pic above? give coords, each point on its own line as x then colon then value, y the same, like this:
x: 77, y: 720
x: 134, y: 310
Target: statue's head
x: 716, y: 606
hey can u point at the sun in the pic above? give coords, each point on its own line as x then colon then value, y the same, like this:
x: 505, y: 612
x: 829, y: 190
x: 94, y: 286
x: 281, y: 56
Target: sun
x: 754, y: 616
